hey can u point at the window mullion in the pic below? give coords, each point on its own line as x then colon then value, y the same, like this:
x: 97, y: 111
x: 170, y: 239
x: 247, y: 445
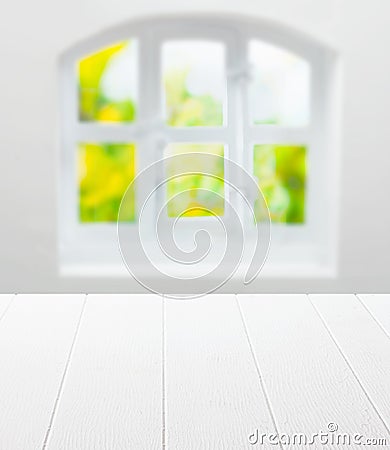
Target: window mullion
x: 274, y: 134
x: 92, y: 132
x: 236, y: 59
x: 197, y: 134
x: 148, y: 115
x: 247, y: 157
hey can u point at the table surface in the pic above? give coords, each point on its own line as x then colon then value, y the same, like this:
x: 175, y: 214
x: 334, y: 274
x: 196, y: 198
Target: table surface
x: 221, y: 372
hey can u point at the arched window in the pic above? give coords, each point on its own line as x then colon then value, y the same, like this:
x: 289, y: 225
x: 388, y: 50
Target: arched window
x: 251, y: 92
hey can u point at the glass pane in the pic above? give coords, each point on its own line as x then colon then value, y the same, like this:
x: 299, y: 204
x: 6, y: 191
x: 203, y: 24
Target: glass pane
x: 195, y: 83
x: 281, y: 171
x: 104, y: 173
x: 200, y: 195
x: 108, y: 84
x: 280, y: 89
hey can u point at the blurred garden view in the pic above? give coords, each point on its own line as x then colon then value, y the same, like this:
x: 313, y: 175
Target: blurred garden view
x: 194, y: 85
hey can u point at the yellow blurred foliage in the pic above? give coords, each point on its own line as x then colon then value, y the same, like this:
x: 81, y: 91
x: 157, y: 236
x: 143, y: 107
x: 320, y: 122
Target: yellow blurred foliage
x: 104, y: 173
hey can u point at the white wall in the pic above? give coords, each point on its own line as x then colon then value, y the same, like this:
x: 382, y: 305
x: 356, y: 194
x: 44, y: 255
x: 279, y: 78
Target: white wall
x: 32, y: 36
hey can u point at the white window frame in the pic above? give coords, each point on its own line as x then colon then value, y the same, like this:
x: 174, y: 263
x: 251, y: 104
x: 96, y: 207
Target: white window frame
x: 311, y: 240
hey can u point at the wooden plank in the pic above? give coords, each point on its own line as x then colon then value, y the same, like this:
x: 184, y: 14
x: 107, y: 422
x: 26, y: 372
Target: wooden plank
x: 378, y: 306
x: 36, y: 336
x: 308, y: 382
x: 113, y: 394
x: 364, y: 344
x: 5, y: 303
x: 214, y: 398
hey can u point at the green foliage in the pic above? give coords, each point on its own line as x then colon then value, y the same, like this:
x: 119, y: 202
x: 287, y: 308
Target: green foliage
x: 200, y: 195
x: 187, y: 110
x: 281, y: 171
x: 104, y: 173
x: 93, y: 105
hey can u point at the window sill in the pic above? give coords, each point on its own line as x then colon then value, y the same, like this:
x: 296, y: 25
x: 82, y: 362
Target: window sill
x: 269, y: 271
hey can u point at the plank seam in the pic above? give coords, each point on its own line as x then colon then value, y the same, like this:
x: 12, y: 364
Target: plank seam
x: 354, y: 373
x: 8, y: 306
x: 259, y: 374
x: 63, y: 378
x: 363, y: 303
x: 163, y: 375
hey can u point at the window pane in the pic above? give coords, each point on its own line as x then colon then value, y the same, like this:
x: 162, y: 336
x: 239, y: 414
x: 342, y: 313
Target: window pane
x: 280, y: 90
x: 104, y: 173
x: 108, y: 84
x: 200, y: 195
x: 195, y: 83
x: 281, y: 171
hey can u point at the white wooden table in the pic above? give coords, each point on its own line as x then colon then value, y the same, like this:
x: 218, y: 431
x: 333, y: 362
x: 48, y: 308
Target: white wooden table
x: 139, y: 372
